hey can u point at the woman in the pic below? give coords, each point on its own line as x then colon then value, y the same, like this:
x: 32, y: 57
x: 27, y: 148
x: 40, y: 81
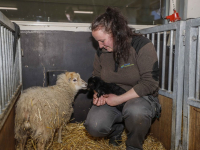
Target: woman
x: 130, y: 61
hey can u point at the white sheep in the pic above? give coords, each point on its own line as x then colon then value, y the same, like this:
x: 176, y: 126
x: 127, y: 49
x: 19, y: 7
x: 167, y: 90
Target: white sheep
x: 40, y: 111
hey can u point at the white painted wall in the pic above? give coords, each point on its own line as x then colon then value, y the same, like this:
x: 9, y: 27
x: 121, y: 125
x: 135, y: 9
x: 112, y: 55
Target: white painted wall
x: 193, y: 8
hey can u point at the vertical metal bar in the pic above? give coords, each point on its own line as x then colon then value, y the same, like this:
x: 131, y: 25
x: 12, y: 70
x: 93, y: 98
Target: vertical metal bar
x: 6, y: 64
x: 198, y: 65
x: 163, y: 61
x: 179, y: 75
x: 170, y: 61
x: 153, y: 38
x: 192, y: 64
x: 158, y: 46
x: 8, y: 67
x: 3, y: 70
x: 14, y: 74
x: 188, y: 42
x: 15, y: 71
x: 148, y: 36
x: 17, y: 67
x: 20, y: 61
x: 12, y: 64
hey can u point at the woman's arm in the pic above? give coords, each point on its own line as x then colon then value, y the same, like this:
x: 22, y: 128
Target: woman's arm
x: 114, y: 100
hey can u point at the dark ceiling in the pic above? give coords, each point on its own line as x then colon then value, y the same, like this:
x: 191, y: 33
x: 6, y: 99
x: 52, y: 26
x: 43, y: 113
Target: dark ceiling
x: 136, y: 11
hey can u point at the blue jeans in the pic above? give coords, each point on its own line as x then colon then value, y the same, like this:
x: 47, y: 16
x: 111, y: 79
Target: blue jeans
x: 107, y: 121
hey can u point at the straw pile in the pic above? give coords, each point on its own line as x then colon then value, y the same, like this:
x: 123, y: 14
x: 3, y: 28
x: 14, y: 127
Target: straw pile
x: 75, y: 137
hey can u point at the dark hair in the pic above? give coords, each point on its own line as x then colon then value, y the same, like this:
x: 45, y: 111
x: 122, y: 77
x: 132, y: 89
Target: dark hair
x: 113, y: 22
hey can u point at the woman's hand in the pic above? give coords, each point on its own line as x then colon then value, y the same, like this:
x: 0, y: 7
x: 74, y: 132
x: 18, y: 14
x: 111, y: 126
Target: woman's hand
x: 98, y: 101
x: 112, y: 99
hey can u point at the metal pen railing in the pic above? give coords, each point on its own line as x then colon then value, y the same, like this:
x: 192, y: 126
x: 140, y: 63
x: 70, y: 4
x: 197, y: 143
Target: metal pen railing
x: 170, y: 43
x: 10, y: 63
x: 191, y: 75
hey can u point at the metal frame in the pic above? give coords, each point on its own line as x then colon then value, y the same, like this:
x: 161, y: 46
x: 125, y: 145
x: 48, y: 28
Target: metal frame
x: 178, y: 75
x: 191, y: 75
x: 11, y: 69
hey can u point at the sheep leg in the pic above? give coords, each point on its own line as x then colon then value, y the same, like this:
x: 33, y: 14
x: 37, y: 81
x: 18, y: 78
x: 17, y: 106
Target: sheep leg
x: 22, y: 142
x: 59, y: 135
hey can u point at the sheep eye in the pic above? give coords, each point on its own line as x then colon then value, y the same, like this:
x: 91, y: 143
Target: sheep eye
x: 74, y: 80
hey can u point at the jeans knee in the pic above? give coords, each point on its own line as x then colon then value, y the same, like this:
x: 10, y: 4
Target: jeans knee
x: 97, y: 129
x: 133, y: 111
x: 137, y: 115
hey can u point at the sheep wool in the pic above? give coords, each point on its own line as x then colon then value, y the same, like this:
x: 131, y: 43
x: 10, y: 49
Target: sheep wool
x: 40, y: 111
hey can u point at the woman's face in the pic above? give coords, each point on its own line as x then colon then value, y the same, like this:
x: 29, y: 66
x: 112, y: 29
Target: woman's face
x: 104, y: 39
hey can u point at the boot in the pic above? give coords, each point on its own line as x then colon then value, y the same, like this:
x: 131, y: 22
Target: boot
x: 116, y: 135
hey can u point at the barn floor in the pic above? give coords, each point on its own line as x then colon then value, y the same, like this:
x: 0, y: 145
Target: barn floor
x: 75, y: 137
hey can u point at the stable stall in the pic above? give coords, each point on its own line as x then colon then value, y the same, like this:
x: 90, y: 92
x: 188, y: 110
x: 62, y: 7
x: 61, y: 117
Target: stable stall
x: 44, y: 50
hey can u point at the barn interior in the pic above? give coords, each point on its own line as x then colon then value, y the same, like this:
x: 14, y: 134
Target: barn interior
x: 55, y: 37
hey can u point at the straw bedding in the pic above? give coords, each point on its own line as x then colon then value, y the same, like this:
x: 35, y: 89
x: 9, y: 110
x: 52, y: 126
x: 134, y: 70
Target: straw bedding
x: 75, y: 137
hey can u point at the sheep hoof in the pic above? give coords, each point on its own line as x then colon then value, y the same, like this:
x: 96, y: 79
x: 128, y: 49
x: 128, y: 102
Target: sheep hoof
x: 59, y: 140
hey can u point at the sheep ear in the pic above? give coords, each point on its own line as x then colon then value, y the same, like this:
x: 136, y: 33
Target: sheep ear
x: 66, y: 73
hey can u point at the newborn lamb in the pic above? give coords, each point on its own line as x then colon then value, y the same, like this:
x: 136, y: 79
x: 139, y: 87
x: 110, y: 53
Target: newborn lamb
x: 97, y: 85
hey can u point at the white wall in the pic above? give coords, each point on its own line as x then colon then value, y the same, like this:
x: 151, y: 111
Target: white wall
x: 193, y: 8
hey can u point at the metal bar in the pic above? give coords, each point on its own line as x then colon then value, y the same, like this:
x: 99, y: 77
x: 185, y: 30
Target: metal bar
x: 194, y: 22
x: 17, y: 66
x: 153, y: 38
x: 6, y: 22
x: 161, y: 28
x: 1, y: 74
x: 14, y: 72
x: 6, y: 65
x: 158, y: 46
x: 170, y: 61
x: 186, y: 87
x: 166, y: 93
x: 148, y: 36
x: 194, y: 102
x: 163, y: 61
x: 179, y: 52
x: 12, y: 65
x: 3, y: 70
x: 192, y: 64
x: 20, y: 61
x: 198, y: 65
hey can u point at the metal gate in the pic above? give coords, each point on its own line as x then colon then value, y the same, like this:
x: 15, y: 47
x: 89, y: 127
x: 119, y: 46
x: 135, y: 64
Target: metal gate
x: 169, y: 39
x: 10, y: 68
x: 191, y: 78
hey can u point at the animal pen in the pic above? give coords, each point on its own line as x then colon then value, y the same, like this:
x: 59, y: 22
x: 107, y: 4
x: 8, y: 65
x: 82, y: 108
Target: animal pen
x: 177, y: 45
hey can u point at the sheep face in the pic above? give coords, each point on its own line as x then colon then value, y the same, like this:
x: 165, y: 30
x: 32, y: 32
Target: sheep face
x: 75, y: 80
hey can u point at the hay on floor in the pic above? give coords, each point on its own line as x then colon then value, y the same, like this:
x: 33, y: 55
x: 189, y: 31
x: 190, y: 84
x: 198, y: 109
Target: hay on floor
x: 75, y: 137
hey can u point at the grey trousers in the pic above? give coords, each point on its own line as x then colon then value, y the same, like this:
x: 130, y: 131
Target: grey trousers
x: 107, y: 121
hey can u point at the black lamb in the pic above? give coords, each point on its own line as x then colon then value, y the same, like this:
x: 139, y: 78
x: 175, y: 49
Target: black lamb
x: 101, y: 87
